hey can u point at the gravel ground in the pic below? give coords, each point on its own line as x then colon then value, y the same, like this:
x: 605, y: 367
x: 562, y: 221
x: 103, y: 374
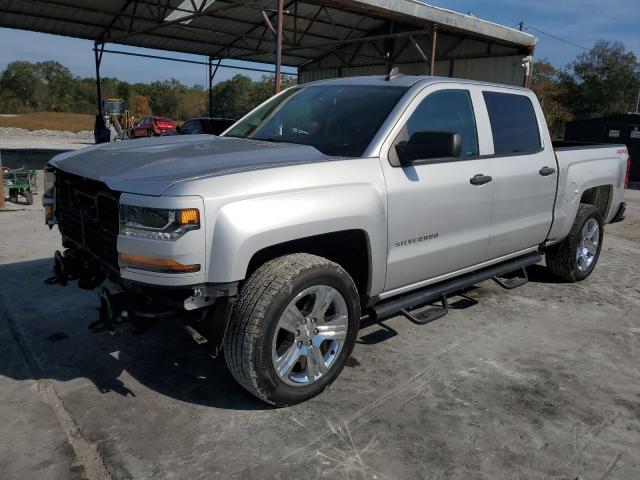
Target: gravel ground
x: 11, y: 131
x: 536, y: 383
x: 9, y: 139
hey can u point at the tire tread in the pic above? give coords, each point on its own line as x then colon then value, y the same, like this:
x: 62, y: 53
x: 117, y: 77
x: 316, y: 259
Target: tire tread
x: 254, y: 299
x: 560, y: 257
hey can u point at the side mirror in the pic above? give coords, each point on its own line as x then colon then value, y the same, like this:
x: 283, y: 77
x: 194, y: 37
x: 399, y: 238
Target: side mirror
x: 429, y: 145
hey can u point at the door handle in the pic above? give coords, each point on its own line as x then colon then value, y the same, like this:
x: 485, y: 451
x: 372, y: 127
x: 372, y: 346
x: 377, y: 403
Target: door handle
x: 480, y: 179
x: 546, y: 171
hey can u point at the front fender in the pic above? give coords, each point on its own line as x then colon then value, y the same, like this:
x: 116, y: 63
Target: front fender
x: 247, y: 226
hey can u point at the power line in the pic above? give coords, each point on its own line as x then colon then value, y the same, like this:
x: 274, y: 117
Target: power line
x: 557, y: 37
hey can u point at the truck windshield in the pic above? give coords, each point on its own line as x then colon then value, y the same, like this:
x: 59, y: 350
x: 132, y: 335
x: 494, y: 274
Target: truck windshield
x: 336, y: 119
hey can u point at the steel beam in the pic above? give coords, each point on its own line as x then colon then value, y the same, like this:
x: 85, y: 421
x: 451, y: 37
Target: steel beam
x: 107, y: 29
x: 97, y: 54
x: 279, y: 44
x: 249, y: 32
x: 434, y: 41
x: 195, y: 62
x: 212, y: 73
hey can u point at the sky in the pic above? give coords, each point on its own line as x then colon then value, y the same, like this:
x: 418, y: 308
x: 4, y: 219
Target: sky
x: 580, y: 22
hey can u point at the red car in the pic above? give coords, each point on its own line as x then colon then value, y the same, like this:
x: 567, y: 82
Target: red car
x: 150, y: 126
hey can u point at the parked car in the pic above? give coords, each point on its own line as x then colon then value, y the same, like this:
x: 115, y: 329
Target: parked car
x: 375, y: 193
x: 204, y: 125
x: 152, y: 126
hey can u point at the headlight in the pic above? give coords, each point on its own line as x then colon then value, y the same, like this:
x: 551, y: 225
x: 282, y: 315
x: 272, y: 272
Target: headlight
x: 157, y: 223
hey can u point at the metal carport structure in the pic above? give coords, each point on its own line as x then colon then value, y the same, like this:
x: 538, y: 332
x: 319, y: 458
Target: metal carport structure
x: 321, y: 38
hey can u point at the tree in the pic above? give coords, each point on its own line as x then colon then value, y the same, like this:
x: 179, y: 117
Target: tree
x: 140, y: 106
x: 18, y: 85
x: 602, y: 81
x: 233, y: 98
x: 548, y: 84
x: 59, y: 82
x: 265, y: 88
x: 193, y: 103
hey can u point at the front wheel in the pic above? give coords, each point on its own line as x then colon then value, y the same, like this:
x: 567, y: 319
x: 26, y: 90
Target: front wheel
x: 292, y: 328
x: 576, y: 256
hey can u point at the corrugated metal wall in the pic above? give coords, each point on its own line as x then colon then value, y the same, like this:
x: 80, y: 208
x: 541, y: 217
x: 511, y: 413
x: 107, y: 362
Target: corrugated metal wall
x: 507, y: 70
x: 460, y: 57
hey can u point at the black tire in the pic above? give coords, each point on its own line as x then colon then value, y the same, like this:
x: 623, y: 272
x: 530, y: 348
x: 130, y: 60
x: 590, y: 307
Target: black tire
x: 260, y: 304
x: 149, y: 133
x: 28, y: 196
x: 562, y: 259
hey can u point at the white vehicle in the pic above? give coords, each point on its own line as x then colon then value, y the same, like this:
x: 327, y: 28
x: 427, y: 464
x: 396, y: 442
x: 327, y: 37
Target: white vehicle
x: 376, y: 193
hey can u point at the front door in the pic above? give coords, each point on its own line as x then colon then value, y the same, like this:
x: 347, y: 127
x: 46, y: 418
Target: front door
x: 438, y: 216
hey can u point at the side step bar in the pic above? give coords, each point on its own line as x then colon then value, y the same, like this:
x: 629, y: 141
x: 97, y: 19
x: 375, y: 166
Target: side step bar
x: 403, y: 304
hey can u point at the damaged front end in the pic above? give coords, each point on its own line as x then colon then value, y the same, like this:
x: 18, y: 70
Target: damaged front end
x: 90, y: 218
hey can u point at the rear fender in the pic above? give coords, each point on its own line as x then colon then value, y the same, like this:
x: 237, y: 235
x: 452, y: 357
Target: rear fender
x: 575, y: 180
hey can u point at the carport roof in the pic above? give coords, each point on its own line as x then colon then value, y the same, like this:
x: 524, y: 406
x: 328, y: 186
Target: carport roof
x: 238, y: 29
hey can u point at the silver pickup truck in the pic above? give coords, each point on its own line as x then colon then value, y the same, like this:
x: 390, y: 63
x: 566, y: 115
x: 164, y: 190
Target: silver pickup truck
x: 374, y: 194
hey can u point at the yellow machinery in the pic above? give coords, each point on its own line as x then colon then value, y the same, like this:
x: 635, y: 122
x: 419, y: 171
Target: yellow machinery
x: 116, y: 118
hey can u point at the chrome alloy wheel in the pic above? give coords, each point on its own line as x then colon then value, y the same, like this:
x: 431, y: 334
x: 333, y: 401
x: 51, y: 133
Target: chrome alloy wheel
x: 588, y: 245
x: 310, y: 335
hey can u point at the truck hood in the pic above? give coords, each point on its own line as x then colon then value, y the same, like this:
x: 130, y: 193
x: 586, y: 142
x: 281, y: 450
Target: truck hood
x: 150, y: 166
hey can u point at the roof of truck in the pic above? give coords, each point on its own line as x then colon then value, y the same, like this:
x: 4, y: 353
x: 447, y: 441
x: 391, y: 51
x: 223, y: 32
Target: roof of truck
x: 405, y: 81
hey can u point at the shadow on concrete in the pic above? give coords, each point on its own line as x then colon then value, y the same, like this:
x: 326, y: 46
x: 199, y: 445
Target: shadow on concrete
x: 30, y: 158
x: 49, y: 322
x: 541, y: 274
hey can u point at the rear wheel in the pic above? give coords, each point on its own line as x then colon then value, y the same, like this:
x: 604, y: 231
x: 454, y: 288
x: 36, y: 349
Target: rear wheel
x: 149, y: 133
x: 293, y: 328
x: 576, y: 256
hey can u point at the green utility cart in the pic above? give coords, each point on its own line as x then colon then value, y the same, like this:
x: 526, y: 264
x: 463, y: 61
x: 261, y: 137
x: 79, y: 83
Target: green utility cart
x: 20, y: 182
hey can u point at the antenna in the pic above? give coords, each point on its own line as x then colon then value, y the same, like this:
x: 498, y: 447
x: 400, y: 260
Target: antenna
x: 394, y: 73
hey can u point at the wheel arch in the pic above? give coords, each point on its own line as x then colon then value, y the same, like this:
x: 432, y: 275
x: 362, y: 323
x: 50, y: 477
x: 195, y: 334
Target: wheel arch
x: 600, y: 197
x: 350, y: 249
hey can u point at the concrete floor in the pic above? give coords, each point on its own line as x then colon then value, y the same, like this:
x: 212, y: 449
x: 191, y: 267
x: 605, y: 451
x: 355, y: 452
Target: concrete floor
x: 541, y: 382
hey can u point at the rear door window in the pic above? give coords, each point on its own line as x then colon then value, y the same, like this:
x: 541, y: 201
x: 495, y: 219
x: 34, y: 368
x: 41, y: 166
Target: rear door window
x: 513, y: 123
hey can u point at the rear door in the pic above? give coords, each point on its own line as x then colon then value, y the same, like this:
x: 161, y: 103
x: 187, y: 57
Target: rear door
x: 438, y: 220
x: 525, y: 171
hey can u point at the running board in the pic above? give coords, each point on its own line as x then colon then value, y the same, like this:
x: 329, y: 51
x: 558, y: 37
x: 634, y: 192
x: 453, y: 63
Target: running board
x: 429, y: 315
x: 513, y: 282
x: 405, y: 303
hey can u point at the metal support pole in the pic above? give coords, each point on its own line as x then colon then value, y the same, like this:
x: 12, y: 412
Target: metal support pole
x: 279, y: 44
x: 210, y: 93
x: 212, y: 74
x: 638, y: 102
x: 434, y: 39
x: 1, y: 182
x: 97, y: 52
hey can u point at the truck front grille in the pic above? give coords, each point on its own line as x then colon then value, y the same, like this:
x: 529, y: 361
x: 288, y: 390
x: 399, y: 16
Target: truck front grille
x: 87, y: 213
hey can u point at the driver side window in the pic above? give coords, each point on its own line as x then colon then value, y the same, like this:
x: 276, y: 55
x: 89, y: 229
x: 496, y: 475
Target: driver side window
x: 443, y: 111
